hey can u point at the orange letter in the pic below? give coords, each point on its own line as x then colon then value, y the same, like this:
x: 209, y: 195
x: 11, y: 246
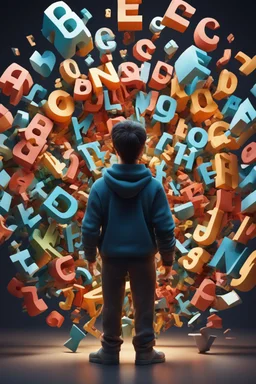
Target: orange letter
x: 82, y: 90
x: 127, y: 15
x: 202, y: 105
x: 226, y: 86
x: 247, y: 280
x: 173, y: 20
x: 106, y: 75
x: 69, y: 71
x: 60, y: 106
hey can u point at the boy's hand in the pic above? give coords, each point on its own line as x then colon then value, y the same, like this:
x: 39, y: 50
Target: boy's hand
x: 91, y: 267
x: 166, y: 274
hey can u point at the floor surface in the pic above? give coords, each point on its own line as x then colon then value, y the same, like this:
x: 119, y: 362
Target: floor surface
x: 40, y: 358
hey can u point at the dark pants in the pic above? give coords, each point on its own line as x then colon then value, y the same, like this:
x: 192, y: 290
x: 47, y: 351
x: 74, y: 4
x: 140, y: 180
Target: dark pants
x: 142, y: 275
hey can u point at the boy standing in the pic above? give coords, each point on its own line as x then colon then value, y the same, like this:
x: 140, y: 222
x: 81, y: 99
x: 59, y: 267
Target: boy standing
x: 132, y: 208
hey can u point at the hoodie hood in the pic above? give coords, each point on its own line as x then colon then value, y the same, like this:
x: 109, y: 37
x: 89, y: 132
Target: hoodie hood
x: 127, y: 180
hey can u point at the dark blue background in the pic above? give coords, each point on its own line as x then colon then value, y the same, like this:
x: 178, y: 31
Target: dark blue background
x: 21, y: 18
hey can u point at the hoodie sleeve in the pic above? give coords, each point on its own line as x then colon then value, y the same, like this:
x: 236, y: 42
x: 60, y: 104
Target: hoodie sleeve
x: 164, y: 227
x: 91, y: 225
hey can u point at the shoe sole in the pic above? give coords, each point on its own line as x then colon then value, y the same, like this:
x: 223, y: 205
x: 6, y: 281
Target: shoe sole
x: 105, y: 362
x: 147, y: 362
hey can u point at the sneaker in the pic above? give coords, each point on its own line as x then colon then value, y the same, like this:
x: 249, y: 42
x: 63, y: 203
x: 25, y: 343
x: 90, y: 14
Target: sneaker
x: 101, y: 357
x: 152, y: 357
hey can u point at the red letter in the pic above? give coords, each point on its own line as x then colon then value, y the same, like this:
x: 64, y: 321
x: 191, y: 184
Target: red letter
x: 15, y: 82
x: 201, y: 39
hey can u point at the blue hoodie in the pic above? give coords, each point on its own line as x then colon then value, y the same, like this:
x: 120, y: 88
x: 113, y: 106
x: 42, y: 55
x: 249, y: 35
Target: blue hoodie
x: 132, y: 208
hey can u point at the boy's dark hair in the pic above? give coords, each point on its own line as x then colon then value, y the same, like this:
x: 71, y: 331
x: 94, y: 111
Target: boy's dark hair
x: 128, y: 138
